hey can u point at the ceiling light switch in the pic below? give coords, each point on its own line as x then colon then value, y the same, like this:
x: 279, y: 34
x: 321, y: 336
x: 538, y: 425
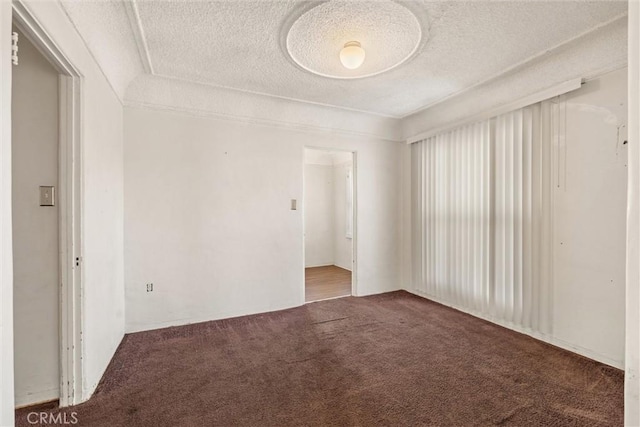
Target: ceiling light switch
x: 294, y: 204
x: 47, y: 196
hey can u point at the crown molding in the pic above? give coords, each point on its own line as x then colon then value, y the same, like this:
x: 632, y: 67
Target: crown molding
x: 522, y: 64
x: 164, y: 94
x: 131, y: 8
x: 594, y: 53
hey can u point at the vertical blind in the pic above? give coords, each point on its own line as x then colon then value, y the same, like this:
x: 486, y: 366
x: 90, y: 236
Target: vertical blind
x: 481, y: 206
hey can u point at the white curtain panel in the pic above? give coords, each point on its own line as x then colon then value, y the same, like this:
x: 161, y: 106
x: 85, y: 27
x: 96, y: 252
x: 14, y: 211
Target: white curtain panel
x: 481, y: 216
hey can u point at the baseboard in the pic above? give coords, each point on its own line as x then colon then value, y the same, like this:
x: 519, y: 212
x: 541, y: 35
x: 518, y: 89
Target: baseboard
x: 549, y: 339
x: 343, y: 267
x: 376, y: 292
x: 327, y: 265
x: 327, y: 299
x: 149, y: 326
x: 36, y: 398
x: 92, y: 383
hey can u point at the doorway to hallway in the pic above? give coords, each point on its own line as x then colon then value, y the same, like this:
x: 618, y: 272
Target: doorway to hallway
x: 326, y: 283
x: 329, y: 228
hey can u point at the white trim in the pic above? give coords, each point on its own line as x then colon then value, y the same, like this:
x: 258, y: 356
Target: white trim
x: 548, y: 93
x: 211, y: 317
x: 278, y: 124
x: 71, y: 346
x: 32, y: 29
x: 632, y: 295
x: 330, y: 298
x: 131, y: 8
x: 281, y: 97
x: 348, y: 232
x: 70, y: 249
x: 119, y: 97
x: 520, y: 65
x: 354, y: 224
x: 37, y: 398
x: 7, y: 390
x: 549, y: 339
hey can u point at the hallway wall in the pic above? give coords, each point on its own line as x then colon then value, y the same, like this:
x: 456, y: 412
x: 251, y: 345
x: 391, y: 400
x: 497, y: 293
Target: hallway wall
x: 325, y: 208
x: 35, y: 130
x: 319, y: 217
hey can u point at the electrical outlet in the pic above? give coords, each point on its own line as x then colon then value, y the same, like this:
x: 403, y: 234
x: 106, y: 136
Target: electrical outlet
x: 149, y: 287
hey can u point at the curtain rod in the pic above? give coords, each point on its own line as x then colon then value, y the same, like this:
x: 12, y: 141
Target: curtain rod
x: 556, y: 90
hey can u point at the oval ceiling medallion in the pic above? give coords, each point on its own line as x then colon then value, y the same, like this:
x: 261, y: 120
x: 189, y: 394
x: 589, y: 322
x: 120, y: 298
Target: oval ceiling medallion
x: 388, y: 32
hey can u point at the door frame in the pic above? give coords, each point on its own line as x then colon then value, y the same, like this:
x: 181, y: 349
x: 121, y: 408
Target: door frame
x: 354, y: 222
x: 69, y: 204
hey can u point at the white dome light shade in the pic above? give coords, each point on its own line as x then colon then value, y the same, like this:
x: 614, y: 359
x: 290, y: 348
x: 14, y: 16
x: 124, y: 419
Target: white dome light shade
x: 314, y: 36
x: 352, y: 55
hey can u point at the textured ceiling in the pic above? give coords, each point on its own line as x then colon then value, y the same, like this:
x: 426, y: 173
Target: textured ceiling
x: 242, y: 45
x: 388, y: 32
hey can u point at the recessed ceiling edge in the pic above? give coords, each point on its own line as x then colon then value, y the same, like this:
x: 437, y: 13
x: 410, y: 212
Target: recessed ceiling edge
x: 413, y: 7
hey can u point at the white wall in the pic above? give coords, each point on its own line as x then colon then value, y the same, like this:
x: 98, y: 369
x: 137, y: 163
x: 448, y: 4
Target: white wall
x: 36, y: 307
x: 590, y: 203
x: 632, y: 348
x: 319, y: 216
x: 102, y: 197
x: 405, y: 205
x: 6, y: 256
x: 103, y: 229
x: 208, y: 217
x: 342, y: 253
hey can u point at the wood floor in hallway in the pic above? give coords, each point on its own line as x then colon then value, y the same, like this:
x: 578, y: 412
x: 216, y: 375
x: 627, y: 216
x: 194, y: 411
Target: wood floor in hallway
x: 326, y: 282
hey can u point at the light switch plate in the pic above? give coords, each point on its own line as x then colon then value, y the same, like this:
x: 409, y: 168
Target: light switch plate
x: 294, y: 204
x: 47, y: 196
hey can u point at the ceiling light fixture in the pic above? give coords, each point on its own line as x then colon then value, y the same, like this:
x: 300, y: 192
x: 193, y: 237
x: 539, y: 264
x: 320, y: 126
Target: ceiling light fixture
x: 352, y: 55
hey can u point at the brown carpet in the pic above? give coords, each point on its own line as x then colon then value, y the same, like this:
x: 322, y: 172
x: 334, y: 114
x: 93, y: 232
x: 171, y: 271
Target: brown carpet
x: 391, y: 359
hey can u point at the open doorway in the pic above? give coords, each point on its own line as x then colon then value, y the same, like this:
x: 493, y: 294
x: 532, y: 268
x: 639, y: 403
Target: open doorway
x: 46, y: 211
x: 34, y: 157
x: 329, y: 226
